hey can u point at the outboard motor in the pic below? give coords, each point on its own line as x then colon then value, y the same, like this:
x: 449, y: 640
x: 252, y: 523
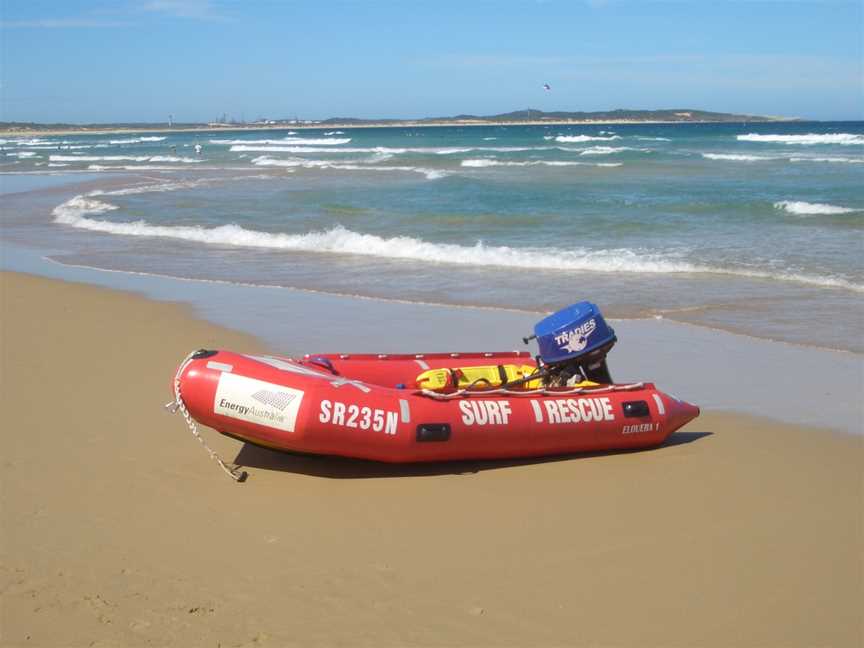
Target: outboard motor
x: 573, y: 344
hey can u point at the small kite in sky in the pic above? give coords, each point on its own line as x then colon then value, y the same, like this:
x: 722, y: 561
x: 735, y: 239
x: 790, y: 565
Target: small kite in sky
x: 547, y: 87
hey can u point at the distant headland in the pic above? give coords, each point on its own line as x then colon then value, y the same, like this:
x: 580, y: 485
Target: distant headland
x: 529, y: 116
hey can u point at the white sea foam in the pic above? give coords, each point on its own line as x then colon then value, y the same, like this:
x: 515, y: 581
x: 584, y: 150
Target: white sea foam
x: 571, y: 139
x: 172, y: 158
x: 488, y: 162
x: 75, y: 211
x: 57, y: 164
x: 801, y: 208
x: 27, y: 142
x: 66, y: 147
x: 334, y: 133
x: 99, y: 158
x: 836, y: 159
x: 78, y: 212
x: 158, y: 187
x: 123, y: 158
x: 491, y: 149
x: 130, y: 167
x: 256, y: 148
x: 809, y: 138
x: 735, y: 157
x: 388, y: 150
x: 267, y: 161
x: 495, y: 149
x: 136, y: 140
x: 654, y: 139
x: 431, y: 174
x: 308, y: 141
x: 285, y: 141
x: 742, y: 157
x: 609, y: 150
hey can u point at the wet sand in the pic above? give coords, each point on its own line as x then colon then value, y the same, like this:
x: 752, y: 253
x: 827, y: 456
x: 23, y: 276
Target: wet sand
x: 117, y: 530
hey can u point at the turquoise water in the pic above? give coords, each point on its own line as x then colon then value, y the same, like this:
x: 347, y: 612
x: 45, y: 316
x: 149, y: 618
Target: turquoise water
x: 755, y: 228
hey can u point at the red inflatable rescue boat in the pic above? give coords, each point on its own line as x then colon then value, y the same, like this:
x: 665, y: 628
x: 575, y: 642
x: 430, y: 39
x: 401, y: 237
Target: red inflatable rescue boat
x: 428, y: 407
x: 357, y: 410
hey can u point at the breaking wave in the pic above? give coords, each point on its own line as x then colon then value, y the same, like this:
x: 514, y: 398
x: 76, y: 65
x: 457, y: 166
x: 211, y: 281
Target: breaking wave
x: 735, y: 157
x: 261, y: 148
x: 159, y: 187
x: 137, y: 140
x: 485, y: 162
x: 26, y: 142
x: 265, y: 161
x: 570, y: 139
x: 64, y: 146
x: 741, y: 157
x: 122, y: 158
x: 801, y: 208
x: 609, y: 150
x: 809, y: 138
x: 174, y: 158
x: 78, y: 213
x: 385, y: 150
x: 74, y: 210
x: 99, y: 158
x: 132, y: 167
x: 286, y: 141
x: 835, y: 158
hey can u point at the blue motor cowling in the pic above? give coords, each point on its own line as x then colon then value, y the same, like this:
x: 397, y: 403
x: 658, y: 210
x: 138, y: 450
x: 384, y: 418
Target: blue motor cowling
x: 575, y: 341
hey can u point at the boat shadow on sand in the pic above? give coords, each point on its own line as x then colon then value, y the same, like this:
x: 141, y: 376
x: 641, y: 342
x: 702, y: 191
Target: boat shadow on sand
x: 252, y: 456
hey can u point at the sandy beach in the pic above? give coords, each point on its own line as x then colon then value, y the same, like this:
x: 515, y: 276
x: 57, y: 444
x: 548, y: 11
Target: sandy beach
x: 117, y: 530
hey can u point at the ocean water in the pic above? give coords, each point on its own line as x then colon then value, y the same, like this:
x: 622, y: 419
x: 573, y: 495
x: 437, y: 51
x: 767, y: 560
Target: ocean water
x: 752, y: 228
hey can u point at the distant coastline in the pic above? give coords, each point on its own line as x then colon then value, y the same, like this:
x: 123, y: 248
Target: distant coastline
x: 528, y: 117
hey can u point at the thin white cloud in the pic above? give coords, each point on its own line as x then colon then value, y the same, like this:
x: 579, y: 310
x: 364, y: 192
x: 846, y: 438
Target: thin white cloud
x: 62, y: 23
x: 194, y: 9
x: 122, y: 16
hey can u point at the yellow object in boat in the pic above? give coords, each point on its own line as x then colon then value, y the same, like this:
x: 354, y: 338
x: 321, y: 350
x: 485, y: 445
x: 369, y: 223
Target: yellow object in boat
x: 485, y: 377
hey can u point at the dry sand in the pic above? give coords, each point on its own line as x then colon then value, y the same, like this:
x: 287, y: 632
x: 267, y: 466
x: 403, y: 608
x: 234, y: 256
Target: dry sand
x: 117, y: 530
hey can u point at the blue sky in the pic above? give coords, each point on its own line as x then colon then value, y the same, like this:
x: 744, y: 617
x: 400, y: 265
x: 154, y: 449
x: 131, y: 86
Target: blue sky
x: 141, y: 60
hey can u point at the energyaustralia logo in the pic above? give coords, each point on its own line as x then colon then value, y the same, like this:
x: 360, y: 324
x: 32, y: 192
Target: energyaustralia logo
x: 280, y: 400
x: 576, y: 339
x: 257, y: 401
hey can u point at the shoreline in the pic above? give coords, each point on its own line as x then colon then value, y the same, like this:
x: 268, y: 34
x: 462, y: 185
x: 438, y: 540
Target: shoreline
x: 119, y: 530
x: 407, y: 124
x: 710, y: 367
x: 474, y: 307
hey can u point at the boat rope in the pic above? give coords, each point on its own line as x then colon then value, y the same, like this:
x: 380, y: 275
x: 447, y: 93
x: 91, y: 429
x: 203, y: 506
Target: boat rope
x: 177, y: 404
x: 545, y: 391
